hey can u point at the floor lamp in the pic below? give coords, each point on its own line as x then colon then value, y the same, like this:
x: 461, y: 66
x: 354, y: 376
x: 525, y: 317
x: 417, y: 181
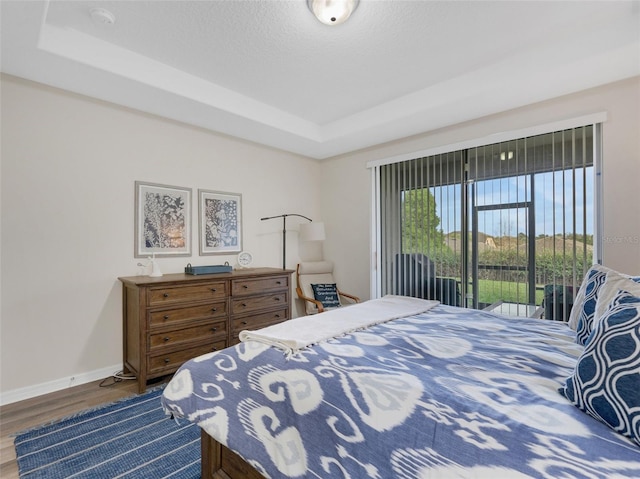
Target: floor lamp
x: 313, y: 233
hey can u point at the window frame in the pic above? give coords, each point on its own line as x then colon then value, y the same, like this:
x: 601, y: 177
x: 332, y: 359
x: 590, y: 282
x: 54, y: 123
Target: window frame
x: 596, y: 120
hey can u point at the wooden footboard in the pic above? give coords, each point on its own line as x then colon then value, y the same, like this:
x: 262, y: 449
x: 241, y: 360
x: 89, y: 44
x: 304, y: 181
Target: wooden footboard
x: 218, y: 462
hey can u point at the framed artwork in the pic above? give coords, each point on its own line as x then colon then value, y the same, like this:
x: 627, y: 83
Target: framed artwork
x: 163, y: 220
x: 220, y: 222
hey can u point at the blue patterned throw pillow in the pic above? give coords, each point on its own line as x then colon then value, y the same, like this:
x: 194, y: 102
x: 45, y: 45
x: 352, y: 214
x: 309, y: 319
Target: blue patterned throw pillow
x: 584, y: 308
x: 593, y: 282
x: 327, y: 294
x: 606, y: 381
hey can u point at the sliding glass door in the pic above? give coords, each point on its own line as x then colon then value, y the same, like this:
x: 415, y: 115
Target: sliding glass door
x: 504, y: 225
x: 502, y: 263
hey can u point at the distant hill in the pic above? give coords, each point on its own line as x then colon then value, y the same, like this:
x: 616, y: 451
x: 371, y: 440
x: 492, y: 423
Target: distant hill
x: 491, y: 243
x: 549, y: 243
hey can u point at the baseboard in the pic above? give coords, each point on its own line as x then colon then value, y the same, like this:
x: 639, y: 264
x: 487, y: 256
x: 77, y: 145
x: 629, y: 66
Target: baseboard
x: 57, y: 385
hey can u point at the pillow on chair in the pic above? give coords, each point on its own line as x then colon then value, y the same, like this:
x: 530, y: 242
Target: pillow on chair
x: 327, y: 294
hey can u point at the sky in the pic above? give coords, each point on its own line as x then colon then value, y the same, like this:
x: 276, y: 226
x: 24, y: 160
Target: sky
x: 551, y: 190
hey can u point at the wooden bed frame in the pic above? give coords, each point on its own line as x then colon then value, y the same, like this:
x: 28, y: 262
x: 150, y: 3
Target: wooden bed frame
x: 218, y: 462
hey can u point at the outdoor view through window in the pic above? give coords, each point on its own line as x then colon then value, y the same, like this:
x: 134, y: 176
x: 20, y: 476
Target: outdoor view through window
x: 507, y: 226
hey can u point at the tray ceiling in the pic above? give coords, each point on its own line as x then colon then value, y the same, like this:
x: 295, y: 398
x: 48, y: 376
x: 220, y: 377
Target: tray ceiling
x: 267, y: 71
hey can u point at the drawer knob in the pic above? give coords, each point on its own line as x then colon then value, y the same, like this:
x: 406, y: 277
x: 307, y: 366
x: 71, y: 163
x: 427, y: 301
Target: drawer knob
x: 214, y: 329
x: 277, y: 298
x: 167, y: 360
x: 213, y: 310
x: 278, y: 282
x: 245, y: 286
x: 166, y: 316
x: 166, y: 295
x: 213, y: 290
x: 277, y: 315
x: 166, y: 338
x: 244, y: 322
x: 244, y: 305
x: 214, y: 349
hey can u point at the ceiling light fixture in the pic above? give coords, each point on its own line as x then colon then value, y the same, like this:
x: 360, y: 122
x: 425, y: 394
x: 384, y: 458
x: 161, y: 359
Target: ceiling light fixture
x: 332, y: 12
x: 102, y: 17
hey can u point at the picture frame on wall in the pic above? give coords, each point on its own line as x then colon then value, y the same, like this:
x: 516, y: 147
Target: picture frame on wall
x: 163, y: 220
x: 220, y: 222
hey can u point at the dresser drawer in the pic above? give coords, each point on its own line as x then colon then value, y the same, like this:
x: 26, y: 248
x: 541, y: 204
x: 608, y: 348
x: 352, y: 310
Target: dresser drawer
x: 180, y: 294
x: 170, y: 316
x: 241, y: 287
x: 172, y: 361
x: 176, y: 317
x: 258, y: 321
x: 180, y: 336
x: 256, y: 303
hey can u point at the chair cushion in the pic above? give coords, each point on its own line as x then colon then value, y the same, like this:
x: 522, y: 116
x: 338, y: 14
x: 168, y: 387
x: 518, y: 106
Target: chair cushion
x: 606, y: 383
x: 327, y: 294
x: 316, y: 267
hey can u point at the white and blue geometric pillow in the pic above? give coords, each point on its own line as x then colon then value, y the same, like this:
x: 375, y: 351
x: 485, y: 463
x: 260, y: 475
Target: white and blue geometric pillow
x: 579, y: 298
x: 611, y: 288
x: 584, y: 308
x: 606, y: 381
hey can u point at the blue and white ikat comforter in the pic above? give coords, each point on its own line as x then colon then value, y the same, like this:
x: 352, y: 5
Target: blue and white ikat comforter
x: 450, y: 393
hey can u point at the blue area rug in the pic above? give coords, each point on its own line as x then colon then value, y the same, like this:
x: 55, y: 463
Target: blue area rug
x: 131, y: 438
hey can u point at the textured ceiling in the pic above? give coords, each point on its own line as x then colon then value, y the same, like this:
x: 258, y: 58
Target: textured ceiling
x: 269, y: 72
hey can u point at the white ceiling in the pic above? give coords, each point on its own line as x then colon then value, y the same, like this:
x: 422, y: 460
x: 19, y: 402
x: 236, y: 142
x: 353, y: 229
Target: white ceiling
x: 268, y: 71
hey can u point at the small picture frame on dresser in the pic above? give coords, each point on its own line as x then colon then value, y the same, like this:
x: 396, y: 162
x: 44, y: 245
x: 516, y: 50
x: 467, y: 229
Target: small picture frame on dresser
x: 163, y: 220
x: 220, y: 222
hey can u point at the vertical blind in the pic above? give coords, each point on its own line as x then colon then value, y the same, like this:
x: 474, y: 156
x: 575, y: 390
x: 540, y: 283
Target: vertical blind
x: 510, y: 221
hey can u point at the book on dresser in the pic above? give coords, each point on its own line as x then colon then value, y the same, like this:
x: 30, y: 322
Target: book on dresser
x: 170, y: 319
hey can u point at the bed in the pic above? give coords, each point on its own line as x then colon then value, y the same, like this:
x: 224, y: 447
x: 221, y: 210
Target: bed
x: 445, y: 392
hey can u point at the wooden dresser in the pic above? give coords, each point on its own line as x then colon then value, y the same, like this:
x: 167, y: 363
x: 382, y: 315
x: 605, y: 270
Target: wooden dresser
x: 176, y: 317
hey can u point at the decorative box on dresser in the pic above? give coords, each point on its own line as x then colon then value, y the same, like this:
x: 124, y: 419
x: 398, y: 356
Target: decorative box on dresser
x: 170, y: 319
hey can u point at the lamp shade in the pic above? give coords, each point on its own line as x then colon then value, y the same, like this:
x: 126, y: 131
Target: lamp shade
x: 312, y: 231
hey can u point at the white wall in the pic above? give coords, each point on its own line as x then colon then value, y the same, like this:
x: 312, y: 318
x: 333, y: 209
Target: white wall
x: 346, y: 209
x: 68, y: 166
x: 67, y: 194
